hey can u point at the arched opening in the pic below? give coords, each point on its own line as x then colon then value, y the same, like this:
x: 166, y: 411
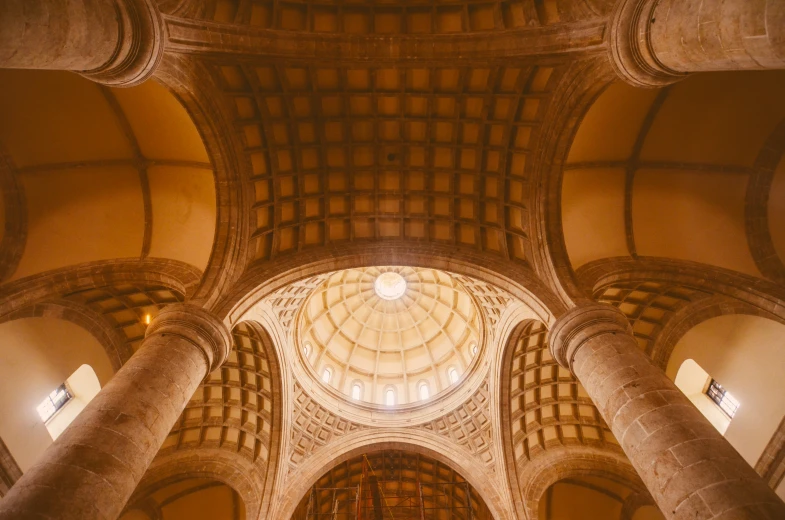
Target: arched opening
x: 588, y: 497
x: 357, y: 391
x: 745, y: 354
x: 327, y: 375
x: 424, y: 390
x: 452, y: 374
x: 392, y: 484
x: 700, y: 387
x: 188, y: 499
x: 390, y: 397
x: 62, y: 405
x: 37, y: 356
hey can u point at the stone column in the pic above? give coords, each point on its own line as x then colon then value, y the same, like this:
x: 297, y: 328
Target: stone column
x: 114, y: 42
x: 691, y: 471
x: 657, y: 42
x: 92, y: 469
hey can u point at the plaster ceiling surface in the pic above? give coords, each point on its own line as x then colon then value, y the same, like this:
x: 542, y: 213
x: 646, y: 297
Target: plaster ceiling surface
x: 396, y: 328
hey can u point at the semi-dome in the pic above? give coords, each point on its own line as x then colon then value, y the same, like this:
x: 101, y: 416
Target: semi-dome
x: 389, y: 335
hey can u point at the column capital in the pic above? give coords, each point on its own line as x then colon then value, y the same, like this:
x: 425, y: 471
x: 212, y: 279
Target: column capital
x: 198, y: 326
x: 631, y: 52
x: 140, y: 45
x: 580, y: 324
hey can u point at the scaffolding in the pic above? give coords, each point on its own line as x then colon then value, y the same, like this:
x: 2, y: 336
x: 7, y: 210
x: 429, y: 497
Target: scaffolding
x: 375, y: 499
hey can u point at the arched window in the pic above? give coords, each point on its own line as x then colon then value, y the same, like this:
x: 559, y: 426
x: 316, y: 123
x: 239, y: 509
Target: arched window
x: 357, y: 391
x: 452, y: 374
x: 473, y: 348
x: 327, y: 375
x: 389, y: 397
x: 424, y: 390
x: 307, y: 349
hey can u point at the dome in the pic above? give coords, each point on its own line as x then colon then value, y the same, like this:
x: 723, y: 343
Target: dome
x: 389, y: 335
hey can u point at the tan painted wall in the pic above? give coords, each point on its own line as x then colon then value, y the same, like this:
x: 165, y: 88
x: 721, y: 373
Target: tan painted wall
x: 184, y: 213
x: 693, y: 381
x: 746, y: 355
x: 690, y: 183
x: 593, y: 214
x: 692, y: 215
x: 81, y: 215
x: 81, y: 151
x: 36, y: 356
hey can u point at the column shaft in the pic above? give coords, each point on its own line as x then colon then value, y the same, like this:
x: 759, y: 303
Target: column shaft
x: 115, y: 42
x: 709, y: 35
x: 93, y: 468
x: 691, y: 471
x: 70, y: 35
x: 657, y: 42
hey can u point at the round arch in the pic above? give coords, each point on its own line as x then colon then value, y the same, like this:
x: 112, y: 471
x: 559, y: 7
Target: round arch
x: 564, y: 463
x: 421, y: 442
x: 233, y: 470
x: 194, y: 87
x: 264, y: 279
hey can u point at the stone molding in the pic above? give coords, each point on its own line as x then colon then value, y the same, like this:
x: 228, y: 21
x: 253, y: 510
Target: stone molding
x: 205, y: 37
x: 756, y: 206
x: 771, y: 464
x: 759, y: 293
x: 556, y: 465
x: 140, y: 47
x: 579, y: 88
x: 9, y: 469
x: 693, y: 314
x: 197, y: 326
x: 12, y: 245
x: 238, y: 473
x: 194, y: 86
x: 261, y: 280
x: 573, y: 329
x: 631, y: 52
x: 57, y: 283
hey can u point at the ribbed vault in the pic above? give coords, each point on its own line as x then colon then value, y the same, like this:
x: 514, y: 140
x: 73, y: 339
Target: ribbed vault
x: 424, y: 331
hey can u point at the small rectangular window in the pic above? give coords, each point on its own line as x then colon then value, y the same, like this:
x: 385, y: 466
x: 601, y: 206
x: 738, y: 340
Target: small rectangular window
x: 723, y: 398
x: 53, y: 402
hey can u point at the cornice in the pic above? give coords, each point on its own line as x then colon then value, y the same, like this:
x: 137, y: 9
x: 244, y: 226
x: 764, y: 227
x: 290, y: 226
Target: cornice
x: 215, y: 39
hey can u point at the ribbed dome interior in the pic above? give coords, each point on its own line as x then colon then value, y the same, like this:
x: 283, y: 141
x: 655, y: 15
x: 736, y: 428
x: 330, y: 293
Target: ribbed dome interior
x: 426, y: 336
